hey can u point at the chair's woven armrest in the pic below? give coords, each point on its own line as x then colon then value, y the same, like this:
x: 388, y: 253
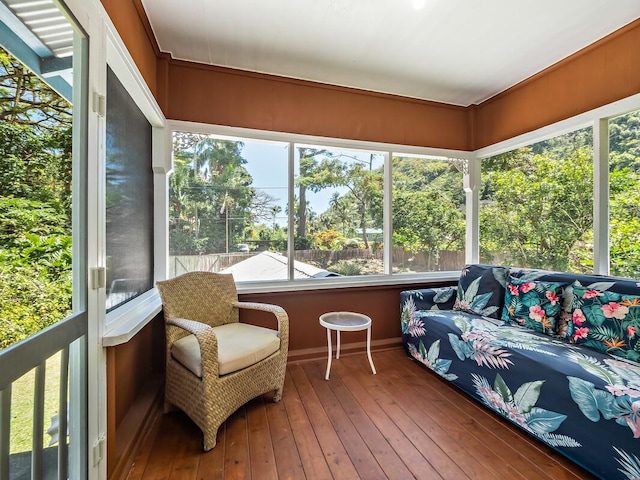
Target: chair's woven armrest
x: 206, y: 340
x: 279, y: 312
x: 191, y: 326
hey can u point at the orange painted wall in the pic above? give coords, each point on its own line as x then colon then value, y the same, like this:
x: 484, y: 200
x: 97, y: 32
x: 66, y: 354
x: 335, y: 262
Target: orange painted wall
x: 604, y: 72
x: 236, y: 98
x: 600, y: 74
x: 133, y: 27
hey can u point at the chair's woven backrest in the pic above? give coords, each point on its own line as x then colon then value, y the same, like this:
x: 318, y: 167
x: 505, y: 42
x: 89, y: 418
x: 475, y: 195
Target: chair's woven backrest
x: 202, y: 296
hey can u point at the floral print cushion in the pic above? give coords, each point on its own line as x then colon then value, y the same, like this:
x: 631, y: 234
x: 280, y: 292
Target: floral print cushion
x: 481, y: 290
x: 583, y: 403
x: 607, y: 321
x: 533, y: 304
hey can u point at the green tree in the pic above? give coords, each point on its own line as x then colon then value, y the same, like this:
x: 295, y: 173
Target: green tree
x: 536, y: 207
x: 212, y: 199
x: 26, y: 100
x: 35, y: 203
x: 427, y: 221
x: 363, y: 182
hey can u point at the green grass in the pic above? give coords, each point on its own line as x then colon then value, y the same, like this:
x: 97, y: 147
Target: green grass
x: 22, y: 405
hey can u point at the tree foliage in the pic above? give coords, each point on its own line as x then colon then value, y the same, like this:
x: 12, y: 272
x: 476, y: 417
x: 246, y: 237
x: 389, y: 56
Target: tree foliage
x: 35, y: 203
x: 212, y: 197
x: 536, y: 207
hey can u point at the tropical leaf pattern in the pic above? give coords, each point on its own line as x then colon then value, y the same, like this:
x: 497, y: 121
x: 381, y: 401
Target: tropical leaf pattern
x: 630, y: 464
x: 481, y: 290
x: 620, y: 398
x: 520, y: 408
x: 430, y: 358
x: 581, y: 401
x: 607, y: 321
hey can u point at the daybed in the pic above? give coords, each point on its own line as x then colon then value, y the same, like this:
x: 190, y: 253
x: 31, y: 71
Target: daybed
x: 555, y: 353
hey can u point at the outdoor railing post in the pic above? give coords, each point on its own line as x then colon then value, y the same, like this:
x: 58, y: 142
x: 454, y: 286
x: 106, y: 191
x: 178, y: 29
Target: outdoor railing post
x: 5, y: 431
x: 38, y: 422
x: 63, y: 449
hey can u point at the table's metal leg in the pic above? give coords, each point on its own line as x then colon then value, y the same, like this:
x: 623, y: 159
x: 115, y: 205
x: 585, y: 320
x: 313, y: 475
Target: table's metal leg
x: 326, y: 376
x: 337, y: 344
x: 373, y: 369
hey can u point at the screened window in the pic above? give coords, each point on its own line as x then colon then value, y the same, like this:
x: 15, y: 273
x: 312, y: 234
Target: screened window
x: 129, y: 197
x: 536, y: 205
x: 428, y: 215
x: 624, y: 195
x: 338, y: 212
x: 246, y: 206
x: 228, y: 207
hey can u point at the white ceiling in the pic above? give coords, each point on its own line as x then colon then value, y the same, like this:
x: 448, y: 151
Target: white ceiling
x: 460, y: 52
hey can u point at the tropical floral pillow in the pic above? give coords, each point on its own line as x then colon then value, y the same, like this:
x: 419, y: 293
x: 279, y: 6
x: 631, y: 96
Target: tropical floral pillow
x: 607, y: 321
x: 481, y: 290
x: 533, y: 304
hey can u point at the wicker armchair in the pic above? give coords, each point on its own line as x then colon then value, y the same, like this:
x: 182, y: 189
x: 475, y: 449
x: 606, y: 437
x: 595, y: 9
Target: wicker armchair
x: 214, y: 363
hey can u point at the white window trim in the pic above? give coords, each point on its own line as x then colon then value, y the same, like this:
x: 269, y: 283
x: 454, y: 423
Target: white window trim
x: 598, y: 120
x: 125, y: 321
x: 385, y: 149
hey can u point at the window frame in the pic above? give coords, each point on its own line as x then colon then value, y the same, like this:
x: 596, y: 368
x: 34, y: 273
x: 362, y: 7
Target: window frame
x: 598, y: 120
x: 386, y: 149
x: 124, y: 321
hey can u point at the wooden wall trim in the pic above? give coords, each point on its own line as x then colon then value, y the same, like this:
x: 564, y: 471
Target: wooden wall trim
x: 224, y: 96
x: 218, y: 95
x: 309, y: 83
x: 133, y: 26
x: 599, y: 74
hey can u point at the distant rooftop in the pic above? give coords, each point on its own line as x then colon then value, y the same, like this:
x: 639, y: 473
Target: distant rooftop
x: 273, y: 266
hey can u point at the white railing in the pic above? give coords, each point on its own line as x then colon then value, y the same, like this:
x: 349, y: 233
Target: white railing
x: 65, y: 341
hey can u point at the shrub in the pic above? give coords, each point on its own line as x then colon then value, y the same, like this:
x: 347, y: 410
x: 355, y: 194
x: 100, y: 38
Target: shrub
x: 30, y: 301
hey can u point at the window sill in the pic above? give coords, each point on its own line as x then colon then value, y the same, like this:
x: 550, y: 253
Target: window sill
x: 346, y: 282
x: 123, y: 323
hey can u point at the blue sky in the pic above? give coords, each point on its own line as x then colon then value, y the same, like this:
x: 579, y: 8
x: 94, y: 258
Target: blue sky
x: 267, y: 164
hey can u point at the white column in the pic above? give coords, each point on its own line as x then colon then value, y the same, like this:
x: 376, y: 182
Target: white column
x: 472, y: 198
x: 601, y: 196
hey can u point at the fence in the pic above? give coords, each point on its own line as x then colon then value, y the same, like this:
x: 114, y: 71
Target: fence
x: 403, y: 261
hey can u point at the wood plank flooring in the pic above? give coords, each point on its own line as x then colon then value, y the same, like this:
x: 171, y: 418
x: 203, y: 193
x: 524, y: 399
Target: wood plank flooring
x: 405, y: 422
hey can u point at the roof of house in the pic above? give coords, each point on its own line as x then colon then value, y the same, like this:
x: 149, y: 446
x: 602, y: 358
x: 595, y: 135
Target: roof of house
x: 273, y: 266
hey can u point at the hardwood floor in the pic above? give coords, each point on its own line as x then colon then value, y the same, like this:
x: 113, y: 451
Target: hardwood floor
x: 405, y: 422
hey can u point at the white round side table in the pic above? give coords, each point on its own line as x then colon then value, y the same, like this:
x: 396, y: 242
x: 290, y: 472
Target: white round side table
x: 345, y: 322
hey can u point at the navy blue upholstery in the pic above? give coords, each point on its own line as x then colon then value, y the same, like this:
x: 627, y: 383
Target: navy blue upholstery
x: 582, y: 402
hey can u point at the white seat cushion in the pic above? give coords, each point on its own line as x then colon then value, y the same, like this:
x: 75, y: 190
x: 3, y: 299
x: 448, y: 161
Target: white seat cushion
x: 239, y: 346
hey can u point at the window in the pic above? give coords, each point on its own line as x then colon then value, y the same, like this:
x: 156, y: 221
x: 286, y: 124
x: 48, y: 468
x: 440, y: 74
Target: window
x: 35, y: 203
x: 428, y: 215
x: 624, y: 195
x: 43, y: 248
x: 228, y: 207
x: 247, y: 204
x: 536, y: 205
x: 338, y: 212
x: 129, y: 197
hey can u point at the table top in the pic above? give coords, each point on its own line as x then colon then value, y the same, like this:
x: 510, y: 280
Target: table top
x: 345, y: 321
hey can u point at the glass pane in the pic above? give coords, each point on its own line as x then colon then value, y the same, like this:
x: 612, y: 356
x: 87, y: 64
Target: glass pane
x: 228, y: 207
x: 129, y: 197
x: 43, y: 154
x: 624, y: 195
x: 35, y: 202
x: 428, y: 215
x: 338, y: 212
x: 536, y: 205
